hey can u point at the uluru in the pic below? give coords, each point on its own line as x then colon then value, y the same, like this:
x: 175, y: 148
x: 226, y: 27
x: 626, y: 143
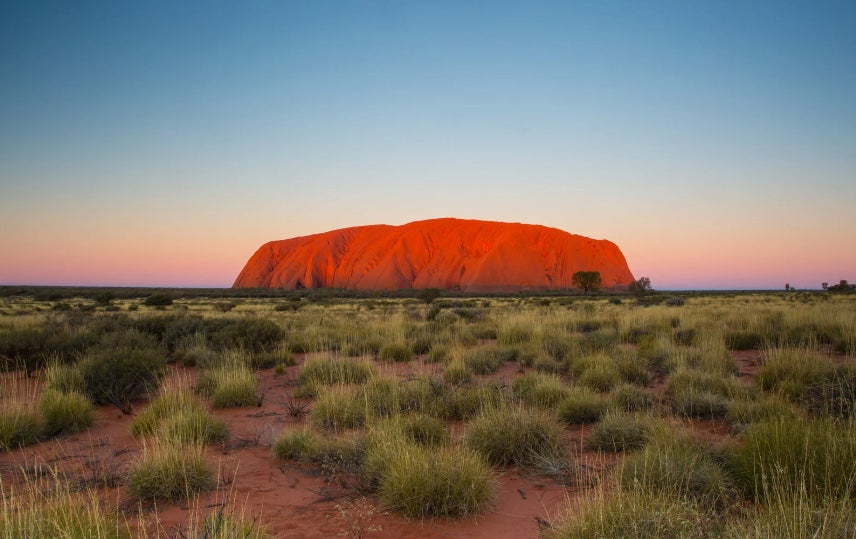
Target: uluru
x: 447, y: 253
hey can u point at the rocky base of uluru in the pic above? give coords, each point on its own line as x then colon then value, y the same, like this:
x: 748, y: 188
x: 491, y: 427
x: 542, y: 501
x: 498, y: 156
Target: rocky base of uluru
x: 448, y: 253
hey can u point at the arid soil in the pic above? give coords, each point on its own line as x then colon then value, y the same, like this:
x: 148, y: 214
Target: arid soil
x: 296, y: 500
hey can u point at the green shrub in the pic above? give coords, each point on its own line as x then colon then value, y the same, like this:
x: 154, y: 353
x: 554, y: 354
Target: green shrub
x: 64, y: 413
x: 18, y: 427
x: 171, y: 472
x: 618, y: 432
x: 122, y: 368
x: 742, y: 413
x: 158, y: 299
x: 397, y: 352
x: 426, y: 483
x: 252, y: 334
x: 582, y: 406
x: 814, y: 456
x: 516, y: 436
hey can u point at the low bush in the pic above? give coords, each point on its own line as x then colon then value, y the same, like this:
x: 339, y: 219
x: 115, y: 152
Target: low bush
x: 516, y: 436
x: 742, y: 413
x: 252, y: 334
x: 122, y: 368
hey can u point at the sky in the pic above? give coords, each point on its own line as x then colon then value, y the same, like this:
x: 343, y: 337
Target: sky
x: 161, y: 143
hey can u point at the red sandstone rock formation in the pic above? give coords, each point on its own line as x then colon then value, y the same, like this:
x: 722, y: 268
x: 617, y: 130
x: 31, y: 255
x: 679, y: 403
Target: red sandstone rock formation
x: 478, y: 256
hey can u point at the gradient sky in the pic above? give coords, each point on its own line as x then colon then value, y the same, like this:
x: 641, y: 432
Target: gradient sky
x: 161, y: 143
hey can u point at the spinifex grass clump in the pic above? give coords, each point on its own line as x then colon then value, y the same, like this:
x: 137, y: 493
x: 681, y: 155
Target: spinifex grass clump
x: 64, y: 413
x: 634, y: 514
x: 339, y: 407
x: 794, y: 372
x: 697, y: 393
x: 631, y: 397
x: 582, y: 405
x: 171, y: 472
x: 231, y: 383
x: 63, y: 378
x: 323, y: 371
x: 483, y: 361
x: 618, y: 431
x: 814, y: 456
x: 397, y: 352
x: 541, y: 390
x: 177, y: 416
x: 456, y: 372
x: 422, y: 482
x: 41, y: 511
x: 676, y: 467
x: 19, y: 426
x: 516, y: 436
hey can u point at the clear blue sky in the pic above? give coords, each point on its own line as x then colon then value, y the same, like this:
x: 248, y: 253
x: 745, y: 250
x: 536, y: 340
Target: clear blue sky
x: 160, y: 143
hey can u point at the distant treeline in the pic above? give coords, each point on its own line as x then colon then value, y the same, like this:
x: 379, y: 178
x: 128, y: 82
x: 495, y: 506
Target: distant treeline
x: 58, y: 293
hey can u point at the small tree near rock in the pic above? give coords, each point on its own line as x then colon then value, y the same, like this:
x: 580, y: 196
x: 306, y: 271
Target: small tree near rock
x: 587, y: 280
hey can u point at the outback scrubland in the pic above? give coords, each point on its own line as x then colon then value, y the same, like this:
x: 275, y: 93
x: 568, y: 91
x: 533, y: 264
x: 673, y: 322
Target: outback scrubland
x: 309, y: 416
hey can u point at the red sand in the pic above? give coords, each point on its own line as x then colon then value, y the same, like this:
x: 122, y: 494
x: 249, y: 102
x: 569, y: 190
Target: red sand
x: 438, y: 253
x: 298, y: 501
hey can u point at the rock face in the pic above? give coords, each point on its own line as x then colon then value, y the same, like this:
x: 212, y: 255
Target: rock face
x: 478, y: 256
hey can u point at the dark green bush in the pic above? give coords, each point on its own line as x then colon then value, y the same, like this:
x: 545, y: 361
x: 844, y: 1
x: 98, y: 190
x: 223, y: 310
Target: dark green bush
x: 122, y: 368
x: 251, y: 334
x: 158, y: 299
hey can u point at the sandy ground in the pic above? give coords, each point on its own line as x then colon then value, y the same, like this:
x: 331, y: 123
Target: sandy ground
x: 294, y: 500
